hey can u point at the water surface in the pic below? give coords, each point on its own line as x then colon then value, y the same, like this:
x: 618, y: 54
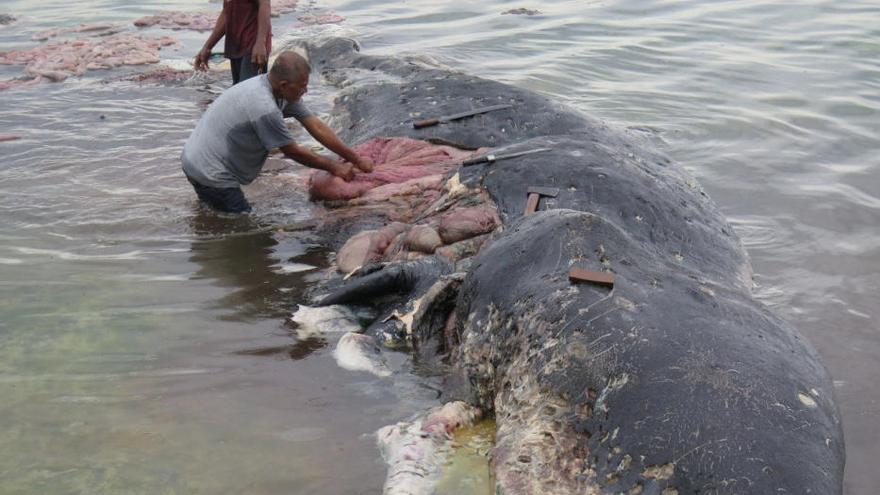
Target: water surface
x: 145, y: 345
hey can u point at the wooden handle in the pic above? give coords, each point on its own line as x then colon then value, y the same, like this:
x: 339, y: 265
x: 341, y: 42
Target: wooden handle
x: 474, y: 161
x: 532, y: 203
x: 425, y: 123
x: 577, y: 274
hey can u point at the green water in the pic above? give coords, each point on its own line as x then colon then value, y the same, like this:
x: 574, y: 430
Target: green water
x: 468, y: 468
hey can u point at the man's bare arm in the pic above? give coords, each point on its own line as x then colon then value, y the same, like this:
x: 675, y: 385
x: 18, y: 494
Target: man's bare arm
x: 259, y: 57
x: 201, y: 61
x: 310, y: 159
x: 325, y: 135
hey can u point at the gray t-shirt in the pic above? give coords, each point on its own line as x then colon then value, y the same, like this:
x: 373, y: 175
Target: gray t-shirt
x: 232, y: 140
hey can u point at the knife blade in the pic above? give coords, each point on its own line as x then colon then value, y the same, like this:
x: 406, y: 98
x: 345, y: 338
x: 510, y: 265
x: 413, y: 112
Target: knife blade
x: 491, y: 158
x: 448, y: 118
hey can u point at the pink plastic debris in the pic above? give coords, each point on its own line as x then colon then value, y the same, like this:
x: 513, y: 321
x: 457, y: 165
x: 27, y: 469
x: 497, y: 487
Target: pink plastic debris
x: 329, y: 18
x: 200, y: 21
x: 159, y: 76
x: 58, y: 60
x: 8, y: 137
x: 17, y: 83
x: 194, y: 21
x: 282, y: 7
x: 95, y: 29
x: 397, y: 160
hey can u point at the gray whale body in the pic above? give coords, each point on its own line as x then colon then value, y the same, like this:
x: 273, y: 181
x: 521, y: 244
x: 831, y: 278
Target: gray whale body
x: 674, y: 381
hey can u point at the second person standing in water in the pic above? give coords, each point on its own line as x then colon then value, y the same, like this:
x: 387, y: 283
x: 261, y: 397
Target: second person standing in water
x: 248, y: 32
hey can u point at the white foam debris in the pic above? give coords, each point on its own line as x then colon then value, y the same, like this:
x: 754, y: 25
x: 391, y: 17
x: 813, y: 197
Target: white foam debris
x: 417, y: 451
x: 177, y: 63
x: 292, y: 268
x: 294, y: 39
x: 317, y: 321
x: 359, y: 352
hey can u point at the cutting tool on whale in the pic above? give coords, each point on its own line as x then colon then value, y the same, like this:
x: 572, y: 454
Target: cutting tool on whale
x: 448, y: 118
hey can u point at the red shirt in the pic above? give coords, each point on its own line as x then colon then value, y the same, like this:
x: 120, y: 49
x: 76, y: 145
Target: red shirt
x: 241, y: 28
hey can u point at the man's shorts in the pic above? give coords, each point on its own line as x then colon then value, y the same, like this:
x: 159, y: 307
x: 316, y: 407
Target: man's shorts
x: 225, y: 199
x: 243, y: 69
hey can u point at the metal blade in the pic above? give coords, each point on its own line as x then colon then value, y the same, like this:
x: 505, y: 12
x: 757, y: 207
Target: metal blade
x: 473, y: 112
x: 520, y: 153
x: 492, y: 158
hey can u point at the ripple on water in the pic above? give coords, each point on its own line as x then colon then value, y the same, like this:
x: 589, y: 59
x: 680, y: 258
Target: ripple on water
x: 70, y: 256
x: 303, y: 434
x: 100, y: 377
x: 95, y: 399
x: 757, y: 232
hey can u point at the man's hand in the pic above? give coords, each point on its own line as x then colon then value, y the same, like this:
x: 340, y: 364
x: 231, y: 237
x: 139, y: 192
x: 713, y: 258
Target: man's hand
x: 258, y: 56
x: 331, y: 141
x: 344, y: 171
x: 201, y: 60
x: 365, y: 164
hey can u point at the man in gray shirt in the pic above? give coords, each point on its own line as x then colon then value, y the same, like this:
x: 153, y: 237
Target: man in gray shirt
x: 230, y: 143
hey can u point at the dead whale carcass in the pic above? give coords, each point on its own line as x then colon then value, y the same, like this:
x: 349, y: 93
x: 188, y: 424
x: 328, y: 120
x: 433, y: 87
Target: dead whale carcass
x: 674, y: 380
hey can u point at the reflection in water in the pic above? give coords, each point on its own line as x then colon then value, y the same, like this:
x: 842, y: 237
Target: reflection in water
x: 246, y: 254
x: 299, y: 350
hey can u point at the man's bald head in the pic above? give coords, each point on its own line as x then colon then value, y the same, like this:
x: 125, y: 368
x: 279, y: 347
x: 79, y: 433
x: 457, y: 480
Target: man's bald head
x: 290, y: 66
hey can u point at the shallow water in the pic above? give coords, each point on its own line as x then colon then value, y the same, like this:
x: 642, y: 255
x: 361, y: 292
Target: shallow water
x: 145, y: 345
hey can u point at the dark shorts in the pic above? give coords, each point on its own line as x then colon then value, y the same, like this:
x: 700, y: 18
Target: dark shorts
x: 243, y: 69
x: 225, y: 199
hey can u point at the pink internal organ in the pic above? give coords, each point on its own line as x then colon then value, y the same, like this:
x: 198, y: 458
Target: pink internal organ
x: 367, y: 246
x: 397, y: 161
x: 464, y: 223
x: 408, y: 177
